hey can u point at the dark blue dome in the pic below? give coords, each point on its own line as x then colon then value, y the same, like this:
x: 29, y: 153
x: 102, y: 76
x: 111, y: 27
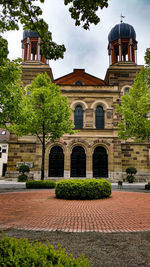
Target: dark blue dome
x: 122, y: 31
x: 29, y: 34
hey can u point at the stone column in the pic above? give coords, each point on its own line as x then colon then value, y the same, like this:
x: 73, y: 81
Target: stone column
x: 117, y: 159
x: 67, y: 164
x: 28, y: 42
x: 120, y: 50
x: 131, y: 56
x: 38, y: 49
x: 89, y: 171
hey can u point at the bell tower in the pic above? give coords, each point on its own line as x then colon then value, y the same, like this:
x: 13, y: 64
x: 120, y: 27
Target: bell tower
x: 33, y: 60
x: 122, y: 45
x: 31, y: 47
x: 122, y: 51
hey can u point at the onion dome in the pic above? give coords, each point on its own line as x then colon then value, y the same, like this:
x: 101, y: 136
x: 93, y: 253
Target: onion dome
x: 122, y: 31
x: 30, y: 34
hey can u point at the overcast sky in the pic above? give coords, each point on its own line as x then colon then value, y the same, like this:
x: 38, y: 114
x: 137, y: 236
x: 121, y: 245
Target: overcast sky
x: 88, y: 49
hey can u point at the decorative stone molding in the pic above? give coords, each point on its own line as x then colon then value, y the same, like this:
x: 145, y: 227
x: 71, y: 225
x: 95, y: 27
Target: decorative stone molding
x: 99, y: 103
x: 78, y: 102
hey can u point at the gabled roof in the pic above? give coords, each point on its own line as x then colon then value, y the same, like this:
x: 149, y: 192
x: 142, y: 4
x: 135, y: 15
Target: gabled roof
x: 79, y: 75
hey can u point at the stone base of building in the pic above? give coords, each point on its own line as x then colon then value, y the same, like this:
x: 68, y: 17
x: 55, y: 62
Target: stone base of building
x: 113, y: 176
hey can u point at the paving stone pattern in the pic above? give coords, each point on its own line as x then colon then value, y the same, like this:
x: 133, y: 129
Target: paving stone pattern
x: 40, y: 210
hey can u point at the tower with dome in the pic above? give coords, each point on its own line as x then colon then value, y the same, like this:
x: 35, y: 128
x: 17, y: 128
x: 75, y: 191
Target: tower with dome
x: 95, y: 150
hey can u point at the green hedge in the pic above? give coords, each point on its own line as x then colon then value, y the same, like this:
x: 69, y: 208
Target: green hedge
x: 83, y: 189
x: 147, y: 186
x: 32, y: 184
x: 19, y: 252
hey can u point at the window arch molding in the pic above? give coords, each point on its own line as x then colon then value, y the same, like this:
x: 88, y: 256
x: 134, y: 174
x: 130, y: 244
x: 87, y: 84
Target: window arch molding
x: 79, y: 103
x: 81, y: 143
x: 99, y: 103
x: 101, y: 144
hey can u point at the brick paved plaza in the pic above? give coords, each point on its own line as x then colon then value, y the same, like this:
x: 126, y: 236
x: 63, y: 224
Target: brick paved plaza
x: 40, y: 210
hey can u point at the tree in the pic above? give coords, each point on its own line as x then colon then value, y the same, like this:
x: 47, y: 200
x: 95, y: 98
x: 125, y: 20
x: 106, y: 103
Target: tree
x: 11, y: 91
x: 28, y: 14
x: 45, y: 113
x: 84, y: 11
x: 147, y: 57
x: 135, y: 107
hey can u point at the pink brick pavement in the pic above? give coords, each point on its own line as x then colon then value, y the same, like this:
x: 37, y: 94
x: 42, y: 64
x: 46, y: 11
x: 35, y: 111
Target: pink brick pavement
x: 40, y: 210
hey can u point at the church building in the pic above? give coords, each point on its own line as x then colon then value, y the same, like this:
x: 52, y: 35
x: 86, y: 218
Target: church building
x: 95, y: 150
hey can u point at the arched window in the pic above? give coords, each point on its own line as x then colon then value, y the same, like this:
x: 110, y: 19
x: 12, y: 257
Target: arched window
x: 56, y: 162
x: 100, y: 162
x: 126, y: 90
x: 78, y: 117
x: 99, y: 118
x: 78, y: 162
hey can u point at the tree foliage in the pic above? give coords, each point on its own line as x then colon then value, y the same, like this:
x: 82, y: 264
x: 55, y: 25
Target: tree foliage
x: 11, y: 91
x: 44, y: 113
x: 135, y: 107
x: 28, y: 13
x: 84, y: 11
x: 147, y: 57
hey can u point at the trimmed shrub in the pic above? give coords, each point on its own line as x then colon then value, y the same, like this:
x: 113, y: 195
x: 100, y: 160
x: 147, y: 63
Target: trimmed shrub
x: 19, y: 252
x: 22, y: 178
x: 24, y: 168
x: 31, y: 184
x: 147, y: 186
x: 83, y: 189
x: 130, y: 179
x: 130, y: 171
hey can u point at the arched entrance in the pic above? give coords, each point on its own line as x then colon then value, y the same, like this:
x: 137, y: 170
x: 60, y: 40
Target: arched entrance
x: 78, y: 162
x: 56, y: 162
x: 100, y: 162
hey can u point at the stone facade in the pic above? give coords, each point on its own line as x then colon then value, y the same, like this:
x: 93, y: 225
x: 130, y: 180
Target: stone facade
x: 88, y: 92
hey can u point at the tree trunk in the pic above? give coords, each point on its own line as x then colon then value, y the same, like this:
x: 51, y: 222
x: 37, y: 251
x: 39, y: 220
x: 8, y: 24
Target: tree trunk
x: 43, y: 155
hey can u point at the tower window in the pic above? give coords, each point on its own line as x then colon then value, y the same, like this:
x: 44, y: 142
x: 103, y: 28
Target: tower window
x: 78, y: 117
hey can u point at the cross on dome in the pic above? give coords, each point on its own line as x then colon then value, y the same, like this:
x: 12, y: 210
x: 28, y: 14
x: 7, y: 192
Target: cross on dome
x: 122, y: 17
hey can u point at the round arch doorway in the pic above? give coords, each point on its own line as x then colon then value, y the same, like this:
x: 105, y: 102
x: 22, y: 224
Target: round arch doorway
x: 56, y: 162
x: 78, y: 162
x: 100, y: 162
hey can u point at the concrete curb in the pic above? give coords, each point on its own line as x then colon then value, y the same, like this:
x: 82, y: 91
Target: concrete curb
x: 5, y: 184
